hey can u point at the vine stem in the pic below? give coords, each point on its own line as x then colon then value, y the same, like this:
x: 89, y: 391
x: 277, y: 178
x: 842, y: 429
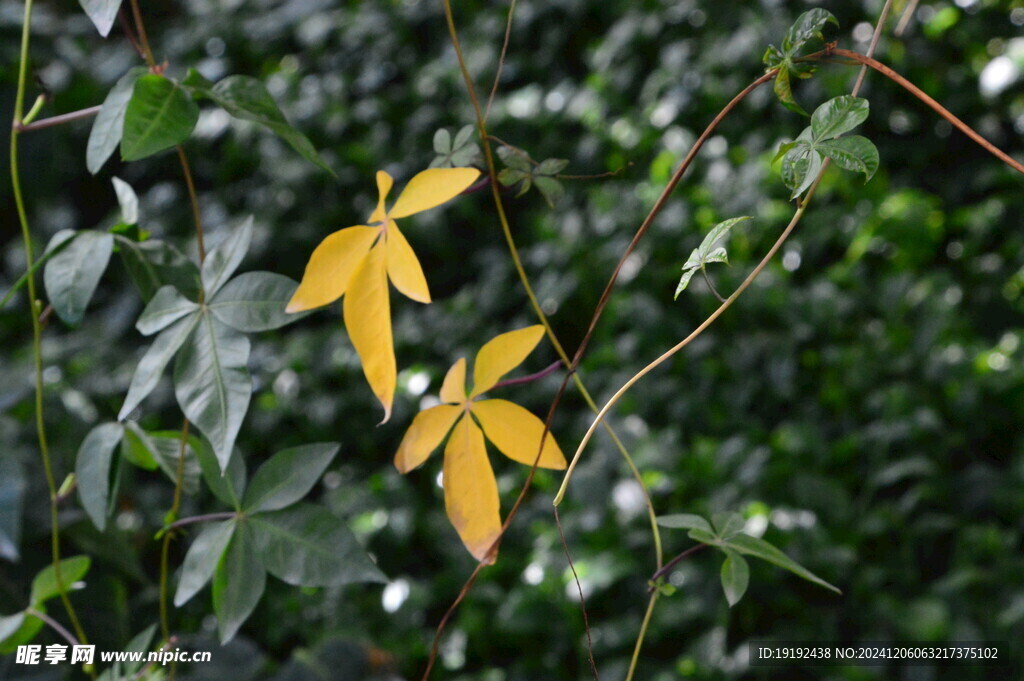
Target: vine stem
x: 55, y: 625
x: 205, y: 518
x: 37, y: 329
x: 59, y: 120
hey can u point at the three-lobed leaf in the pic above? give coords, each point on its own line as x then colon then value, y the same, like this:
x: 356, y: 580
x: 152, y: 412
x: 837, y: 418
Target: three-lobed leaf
x: 455, y: 152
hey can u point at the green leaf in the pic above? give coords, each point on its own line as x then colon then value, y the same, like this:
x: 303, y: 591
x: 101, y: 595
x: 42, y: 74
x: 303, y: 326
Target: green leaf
x: 255, y: 301
x: 854, y: 153
x: 165, y: 308
x: 127, y: 200
x: 155, y: 263
x: 44, y: 586
x: 28, y: 627
x: 137, y: 449
x: 222, y: 261
x: 838, y: 115
x: 212, y: 382
x: 228, y: 486
x: 706, y: 252
x: 800, y: 168
x: 160, y: 115
x: 151, y: 366
x: 550, y: 188
x: 455, y: 153
x: 735, y: 577
x: 139, y: 643
x: 810, y: 24
x: 161, y: 449
x: 684, y: 280
x: 552, y: 166
x: 109, y: 124
x: 307, y: 545
x: 288, y: 476
x: 238, y: 583
x: 759, y: 548
x: 442, y: 142
x: 685, y: 521
x: 727, y: 524
x: 72, y: 275
x: 703, y: 537
x: 12, y: 497
x: 92, y: 468
x: 202, y: 559
x: 783, y: 87
x: 246, y: 98
x: 102, y: 13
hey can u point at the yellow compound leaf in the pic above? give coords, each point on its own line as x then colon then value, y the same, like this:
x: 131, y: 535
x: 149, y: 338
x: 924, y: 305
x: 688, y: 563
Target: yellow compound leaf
x: 424, y: 435
x: 367, y: 312
x: 331, y: 267
x: 470, y: 491
x: 453, y: 390
x: 501, y: 355
x: 516, y: 433
x: 432, y: 188
x: 404, y: 267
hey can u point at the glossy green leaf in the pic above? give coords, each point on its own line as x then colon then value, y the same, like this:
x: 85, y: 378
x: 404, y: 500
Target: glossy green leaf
x: 247, y: 98
x: 685, y: 521
x: 202, y: 559
x: 811, y: 24
x: 707, y: 251
x: 153, y: 264
x: 127, y: 200
x: 255, y: 301
x: 212, y: 382
x: 854, y: 153
x: 165, y: 308
x: 108, y: 127
x: 222, y: 261
x: 288, y: 476
x: 44, y: 586
x: 735, y: 577
x: 92, y: 469
x: 838, y: 115
x: 12, y: 498
x: 151, y: 366
x: 238, y: 583
x: 759, y: 548
x: 102, y: 13
x: 228, y: 486
x: 307, y: 545
x: 160, y: 115
x: 800, y: 168
x: 72, y: 275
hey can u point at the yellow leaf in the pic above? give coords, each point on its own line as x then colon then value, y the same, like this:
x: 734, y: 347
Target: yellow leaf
x: 517, y: 432
x: 432, y: 188
x: 501, y: 355
x: 384, y: 183
x: 404, y: 267
x: 367, y: 312
x: 453, y: 389
x: 331, y: 267
x: 424, y: 435
x: 470, y: 491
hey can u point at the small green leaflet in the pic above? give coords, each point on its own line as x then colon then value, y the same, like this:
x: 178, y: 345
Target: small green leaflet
x: 809, y: 25
x: 520, y: 168
x: 160, y: 115
x: 728, y: 536
x: 109, y: 124
x: 803, y: 159
x: 707, y: 253
x: 459, y: 152
x: 71, y: 276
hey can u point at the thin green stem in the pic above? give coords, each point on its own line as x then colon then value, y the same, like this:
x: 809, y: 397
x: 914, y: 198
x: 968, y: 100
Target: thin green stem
x: 642, y: 635
x: 34, y: 111
x: 37, y: 330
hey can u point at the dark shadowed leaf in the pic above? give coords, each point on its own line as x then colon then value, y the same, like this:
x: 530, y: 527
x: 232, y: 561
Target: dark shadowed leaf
x: 155, y: 263
x: 160, y: 115
x: 307, y: 545
x: 228, y: 486
x: 238, y: 583
x: 759, y: 548
x: 288, y: 476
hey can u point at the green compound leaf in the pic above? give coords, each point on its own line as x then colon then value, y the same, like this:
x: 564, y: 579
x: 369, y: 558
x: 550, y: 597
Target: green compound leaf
x: 459, y: 152
x: 707, y: 252
x: 809, y: 25
x: 160, y: 115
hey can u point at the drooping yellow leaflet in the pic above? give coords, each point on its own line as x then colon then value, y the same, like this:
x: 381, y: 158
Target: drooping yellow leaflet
x: 470, y: 490
x: 359, y: 261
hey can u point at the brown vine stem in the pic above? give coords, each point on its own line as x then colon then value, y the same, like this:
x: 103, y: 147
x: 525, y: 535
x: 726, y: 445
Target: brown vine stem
x: 583, y: 600
x: 37, y: 328
x: 59, y: 120
x: 501, y: 59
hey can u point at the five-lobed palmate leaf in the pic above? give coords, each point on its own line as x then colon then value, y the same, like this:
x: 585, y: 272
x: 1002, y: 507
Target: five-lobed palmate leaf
x: 357, y: 262
x: 470, y: 490
x: 803, y: 158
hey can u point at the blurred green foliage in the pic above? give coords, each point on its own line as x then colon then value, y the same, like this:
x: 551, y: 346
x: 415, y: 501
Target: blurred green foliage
x: 862, y: 402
